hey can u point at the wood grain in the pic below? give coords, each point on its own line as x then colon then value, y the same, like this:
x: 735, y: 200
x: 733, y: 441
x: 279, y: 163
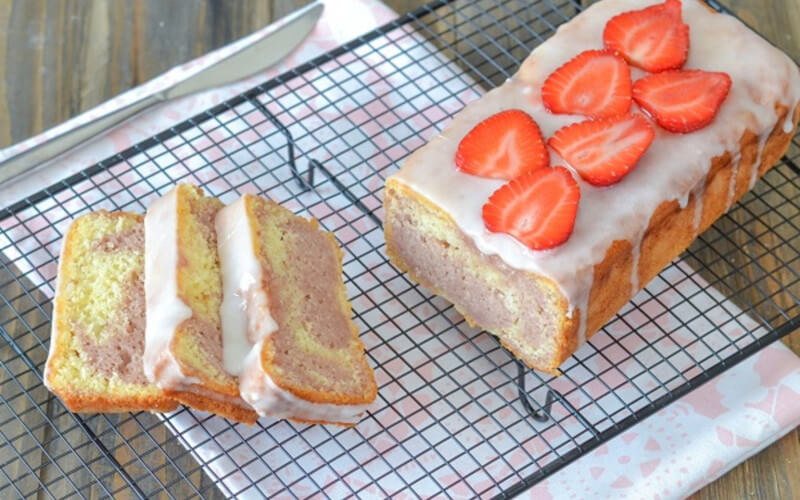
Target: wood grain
x: 59, y: 58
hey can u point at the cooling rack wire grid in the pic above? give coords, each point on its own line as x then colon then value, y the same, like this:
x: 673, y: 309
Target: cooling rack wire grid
x: 456, y: 414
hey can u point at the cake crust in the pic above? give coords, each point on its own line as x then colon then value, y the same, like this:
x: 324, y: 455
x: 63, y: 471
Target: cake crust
x: 205, y: 401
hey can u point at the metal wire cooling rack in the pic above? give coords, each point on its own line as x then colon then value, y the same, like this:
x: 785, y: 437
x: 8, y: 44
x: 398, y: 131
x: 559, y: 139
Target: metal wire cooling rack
x: 455, y: 414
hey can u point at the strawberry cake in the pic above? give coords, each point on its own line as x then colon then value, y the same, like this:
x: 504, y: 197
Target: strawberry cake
x: 544, y: 206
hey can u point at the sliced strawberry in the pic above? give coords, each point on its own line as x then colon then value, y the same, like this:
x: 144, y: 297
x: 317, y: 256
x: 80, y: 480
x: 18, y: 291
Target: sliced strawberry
x: 538, y: 208
x: 682, y: 100
x: 595, y: 83
x: 503, y: 146
x: 654, y: 38
x: 604, y: 151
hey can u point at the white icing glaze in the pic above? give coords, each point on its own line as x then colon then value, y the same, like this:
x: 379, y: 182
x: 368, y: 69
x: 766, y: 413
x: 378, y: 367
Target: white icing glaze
x: 165, y: 310
x: 735, y: 164
x: 698, y: 194
x: 635, y: 250
x: 754, y: 173
x: 269, y: 400
x: 581, y: 301
x: 674, y: 165
x: 788, y: 123
x: 245, y: 304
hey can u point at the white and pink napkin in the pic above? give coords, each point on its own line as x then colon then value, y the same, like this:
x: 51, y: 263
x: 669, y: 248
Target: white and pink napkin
x: 669, y: 455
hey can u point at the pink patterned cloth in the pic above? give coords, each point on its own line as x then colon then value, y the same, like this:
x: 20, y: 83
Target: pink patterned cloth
x: 694, y: 440
x: 669, y: 455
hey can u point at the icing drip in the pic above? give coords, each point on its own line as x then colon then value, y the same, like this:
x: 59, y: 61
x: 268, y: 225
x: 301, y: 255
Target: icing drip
x: 736, y: 162
x: 583, y: 306
x: 683, y: 201
x: 165, y: 309
x: 698, y: 193
x: 788, y: 123
x: 244, y: 313
x: 635, y: 251
x: 673, y: 166
x: 754, y: 173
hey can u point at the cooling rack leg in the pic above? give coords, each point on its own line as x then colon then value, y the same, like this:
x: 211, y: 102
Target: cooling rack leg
x: 305, y: 185
x: 314, y: 164
x: 541, y: 415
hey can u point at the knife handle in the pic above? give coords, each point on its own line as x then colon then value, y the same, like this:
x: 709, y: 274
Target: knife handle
x: 28, y: 161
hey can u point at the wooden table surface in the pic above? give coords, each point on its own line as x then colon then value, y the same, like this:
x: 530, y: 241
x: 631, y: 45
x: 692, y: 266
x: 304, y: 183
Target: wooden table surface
x: 59, y: 58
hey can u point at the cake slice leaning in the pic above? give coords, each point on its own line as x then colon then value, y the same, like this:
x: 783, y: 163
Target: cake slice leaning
x: 97, y: 340
x: 303, y: 358
x: 183, y: 287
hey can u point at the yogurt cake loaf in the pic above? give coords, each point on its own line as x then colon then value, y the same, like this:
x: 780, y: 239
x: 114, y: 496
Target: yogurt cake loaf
x: 285, y: 313
x: 544, y: 206
x: 183, y: 288
x: 97, y: 340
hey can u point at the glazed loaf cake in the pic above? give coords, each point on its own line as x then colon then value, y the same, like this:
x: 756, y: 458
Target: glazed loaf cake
x: 286, y: 320
x: 543, y: 304
x: 97, y: 340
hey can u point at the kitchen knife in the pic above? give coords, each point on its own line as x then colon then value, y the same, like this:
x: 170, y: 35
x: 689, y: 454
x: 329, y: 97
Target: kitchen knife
x: 248, y: 60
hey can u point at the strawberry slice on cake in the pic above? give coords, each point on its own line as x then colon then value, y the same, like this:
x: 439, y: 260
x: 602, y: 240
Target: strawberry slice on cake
x: 604, y: 151
x: 682, y: 100
x: 595, y: 83
x: 503, y: 146
x: 538, y: 208
x: 654, y: 39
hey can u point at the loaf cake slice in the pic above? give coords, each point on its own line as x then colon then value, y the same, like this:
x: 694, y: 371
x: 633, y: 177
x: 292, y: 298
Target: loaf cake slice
x: 543, y: 304
x: 97, y: 339
x: 306, y: 361
x: 183, y: 288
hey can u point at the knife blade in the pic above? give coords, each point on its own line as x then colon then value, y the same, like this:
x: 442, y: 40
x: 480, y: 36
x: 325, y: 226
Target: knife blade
x: 248, y: 60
